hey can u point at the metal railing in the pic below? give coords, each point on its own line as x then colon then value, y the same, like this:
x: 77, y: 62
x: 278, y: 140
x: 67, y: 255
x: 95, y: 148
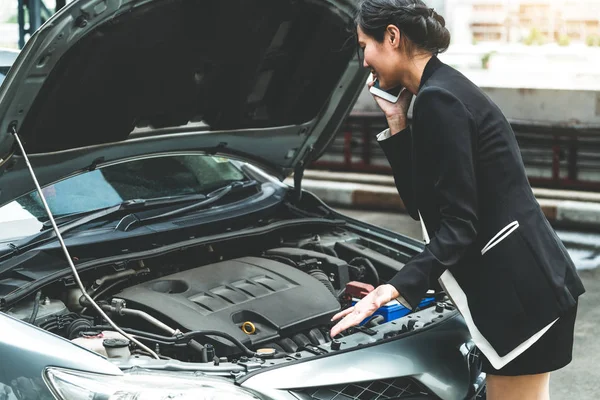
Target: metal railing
x: 31, y: 14
x: 559, y: 157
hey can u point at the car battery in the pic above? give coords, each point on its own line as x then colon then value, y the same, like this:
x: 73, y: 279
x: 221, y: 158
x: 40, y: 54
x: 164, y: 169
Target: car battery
x: 393, y: 309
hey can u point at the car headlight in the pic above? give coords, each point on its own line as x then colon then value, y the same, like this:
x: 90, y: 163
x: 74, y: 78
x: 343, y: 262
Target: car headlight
x: 149, y: 385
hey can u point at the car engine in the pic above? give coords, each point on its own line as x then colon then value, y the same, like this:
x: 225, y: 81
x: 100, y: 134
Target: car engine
x: 272, y: 295
x: 256, y: 300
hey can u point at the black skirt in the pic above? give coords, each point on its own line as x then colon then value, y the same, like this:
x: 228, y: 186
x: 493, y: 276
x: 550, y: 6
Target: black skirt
x: 554, y: 350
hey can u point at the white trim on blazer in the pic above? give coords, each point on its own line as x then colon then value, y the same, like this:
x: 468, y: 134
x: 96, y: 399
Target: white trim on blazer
x: 459, y: 298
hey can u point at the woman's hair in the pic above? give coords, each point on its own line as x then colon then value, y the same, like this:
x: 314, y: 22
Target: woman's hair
x: 425, y: 28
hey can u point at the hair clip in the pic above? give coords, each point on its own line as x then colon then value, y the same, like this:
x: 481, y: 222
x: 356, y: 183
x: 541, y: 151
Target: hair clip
x: 431, y: 12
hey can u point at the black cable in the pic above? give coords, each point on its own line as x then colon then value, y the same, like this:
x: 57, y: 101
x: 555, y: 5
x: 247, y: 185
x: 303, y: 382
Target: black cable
x: 329, y: 251
x: 36, y: 307
x: 370, y: 266
x: 240, y: 345
x: 106, y: 289
x: 49, y: 327
x: 322, y: 277
x: 185, y: 338
x: 317, y: 246
x: 283, y: 259
x: 147, y: 335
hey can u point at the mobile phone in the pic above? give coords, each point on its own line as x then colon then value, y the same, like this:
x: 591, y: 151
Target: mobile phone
x: 390, y: 95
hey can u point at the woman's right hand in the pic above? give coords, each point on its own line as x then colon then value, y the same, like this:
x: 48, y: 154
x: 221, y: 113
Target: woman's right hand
x: 395, y: 113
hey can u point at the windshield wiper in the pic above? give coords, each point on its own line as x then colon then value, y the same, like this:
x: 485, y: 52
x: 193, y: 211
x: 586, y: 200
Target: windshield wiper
x: 85, y: 217
x: 73, y: 221
x: 131, y: 220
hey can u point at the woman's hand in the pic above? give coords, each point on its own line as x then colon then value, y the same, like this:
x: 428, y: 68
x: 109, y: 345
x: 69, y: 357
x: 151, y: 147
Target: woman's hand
x: 395, y: 113
x: 364, y: 308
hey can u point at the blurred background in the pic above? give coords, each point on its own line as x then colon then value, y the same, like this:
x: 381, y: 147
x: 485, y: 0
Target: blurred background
x: 539, y: 61
x: 541, y: 39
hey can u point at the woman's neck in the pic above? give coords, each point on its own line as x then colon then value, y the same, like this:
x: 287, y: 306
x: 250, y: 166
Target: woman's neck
x: 414, y: 72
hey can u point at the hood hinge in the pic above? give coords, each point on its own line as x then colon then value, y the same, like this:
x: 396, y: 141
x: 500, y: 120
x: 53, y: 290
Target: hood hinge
x: 12, y: 128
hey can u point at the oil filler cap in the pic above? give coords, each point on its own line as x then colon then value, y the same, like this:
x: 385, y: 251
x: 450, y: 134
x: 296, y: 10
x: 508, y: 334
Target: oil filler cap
x: 248, y: 328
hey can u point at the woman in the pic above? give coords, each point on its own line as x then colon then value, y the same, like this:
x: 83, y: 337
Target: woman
x: 459, y: 169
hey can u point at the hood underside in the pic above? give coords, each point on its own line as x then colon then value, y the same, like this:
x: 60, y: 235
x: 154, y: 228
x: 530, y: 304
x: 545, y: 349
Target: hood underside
x: 107, y: 71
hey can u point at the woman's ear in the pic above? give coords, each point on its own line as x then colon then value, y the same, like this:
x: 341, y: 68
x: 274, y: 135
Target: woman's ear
x: 393, y: 36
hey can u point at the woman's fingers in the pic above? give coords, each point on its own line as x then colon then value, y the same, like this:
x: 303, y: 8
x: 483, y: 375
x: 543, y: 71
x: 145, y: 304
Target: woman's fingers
x: 342, y: 313
x: 371, y: 80
x: 352, y: 319
x: 405, y: 99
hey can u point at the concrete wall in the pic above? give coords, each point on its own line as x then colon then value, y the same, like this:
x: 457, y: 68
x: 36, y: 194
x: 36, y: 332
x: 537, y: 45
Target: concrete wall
x: 549, y: 106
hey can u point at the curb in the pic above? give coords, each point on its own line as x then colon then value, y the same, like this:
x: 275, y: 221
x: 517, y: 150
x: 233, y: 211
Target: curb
x: 378, y: 193
x: 388, y: 180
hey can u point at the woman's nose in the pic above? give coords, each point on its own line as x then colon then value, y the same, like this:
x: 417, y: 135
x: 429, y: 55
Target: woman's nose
x: 365, y: 64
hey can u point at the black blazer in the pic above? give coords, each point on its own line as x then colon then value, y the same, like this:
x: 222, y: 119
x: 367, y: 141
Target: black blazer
x: 460, y: 166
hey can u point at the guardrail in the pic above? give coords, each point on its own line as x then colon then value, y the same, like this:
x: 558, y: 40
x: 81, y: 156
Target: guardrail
x: 559, y: 157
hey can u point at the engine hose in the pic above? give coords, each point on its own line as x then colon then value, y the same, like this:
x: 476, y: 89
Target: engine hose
x: 36, y: 307
x: 283, y: 259
x: 83, y: 301
x: 321, y: 277
x: 367, y: 263
x: 185, y: 338
x: 319, y: 247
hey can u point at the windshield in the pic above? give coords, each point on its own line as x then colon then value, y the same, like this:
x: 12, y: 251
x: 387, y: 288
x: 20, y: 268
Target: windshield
x: 3, y: 72
x: 149, y: 178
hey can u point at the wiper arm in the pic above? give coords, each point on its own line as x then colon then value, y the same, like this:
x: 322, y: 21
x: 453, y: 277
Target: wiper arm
x: 130, y: 220
x: 76, y: 220
x: 73, y: 221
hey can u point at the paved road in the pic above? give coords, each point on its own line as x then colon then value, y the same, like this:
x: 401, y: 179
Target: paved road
x: 580, y: 380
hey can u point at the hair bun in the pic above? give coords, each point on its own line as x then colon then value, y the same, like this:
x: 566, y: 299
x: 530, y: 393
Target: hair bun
x: 421, y: 24
x: 433, y: 14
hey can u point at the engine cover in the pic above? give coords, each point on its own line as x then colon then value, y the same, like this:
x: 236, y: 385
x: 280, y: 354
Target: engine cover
x: 278, y: 299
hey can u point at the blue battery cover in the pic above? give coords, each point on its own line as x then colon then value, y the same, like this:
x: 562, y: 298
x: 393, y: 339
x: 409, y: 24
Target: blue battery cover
x: 394, y: 310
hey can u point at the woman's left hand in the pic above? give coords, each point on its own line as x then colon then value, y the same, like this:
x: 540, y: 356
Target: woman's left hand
x: 364, y: 308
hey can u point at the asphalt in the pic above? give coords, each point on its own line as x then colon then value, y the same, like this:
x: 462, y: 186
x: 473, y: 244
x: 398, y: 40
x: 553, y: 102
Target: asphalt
x: 580, y: 379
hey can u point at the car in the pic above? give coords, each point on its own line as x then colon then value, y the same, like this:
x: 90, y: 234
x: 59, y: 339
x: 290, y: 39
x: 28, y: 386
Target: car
x: 149, y: 248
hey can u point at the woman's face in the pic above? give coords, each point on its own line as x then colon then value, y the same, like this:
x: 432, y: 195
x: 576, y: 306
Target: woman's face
x: 384, y: 59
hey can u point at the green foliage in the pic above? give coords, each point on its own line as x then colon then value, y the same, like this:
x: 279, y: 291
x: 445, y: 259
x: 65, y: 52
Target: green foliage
x: 13, y: 19
x: 535, y: 37
x: 593, y: 40
x: 564, y: 40
x: 486, y: 59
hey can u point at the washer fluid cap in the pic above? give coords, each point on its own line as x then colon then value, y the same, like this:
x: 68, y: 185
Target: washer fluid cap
x: 115, y: 343
x: 266, y: 352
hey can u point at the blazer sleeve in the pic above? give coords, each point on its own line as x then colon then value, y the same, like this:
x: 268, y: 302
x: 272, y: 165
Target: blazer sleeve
x: 449, y: 129
x: 398, y: 150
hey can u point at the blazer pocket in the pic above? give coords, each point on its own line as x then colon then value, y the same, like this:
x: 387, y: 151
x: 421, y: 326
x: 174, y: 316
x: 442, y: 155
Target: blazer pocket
x: 500, y: 236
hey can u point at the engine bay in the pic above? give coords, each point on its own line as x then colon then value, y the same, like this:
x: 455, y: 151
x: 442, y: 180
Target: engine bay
x: 267, y: 297
x: 255, y: 300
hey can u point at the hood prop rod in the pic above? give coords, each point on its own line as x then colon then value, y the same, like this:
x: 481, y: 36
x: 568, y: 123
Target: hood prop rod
x: 298, y: 175
x: 68, y: 256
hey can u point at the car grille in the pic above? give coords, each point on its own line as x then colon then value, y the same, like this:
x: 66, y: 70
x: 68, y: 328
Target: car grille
x: 388, y: 389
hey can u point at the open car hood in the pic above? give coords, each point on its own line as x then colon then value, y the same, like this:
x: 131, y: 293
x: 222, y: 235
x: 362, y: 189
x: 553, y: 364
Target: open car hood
x: 268, y: 81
